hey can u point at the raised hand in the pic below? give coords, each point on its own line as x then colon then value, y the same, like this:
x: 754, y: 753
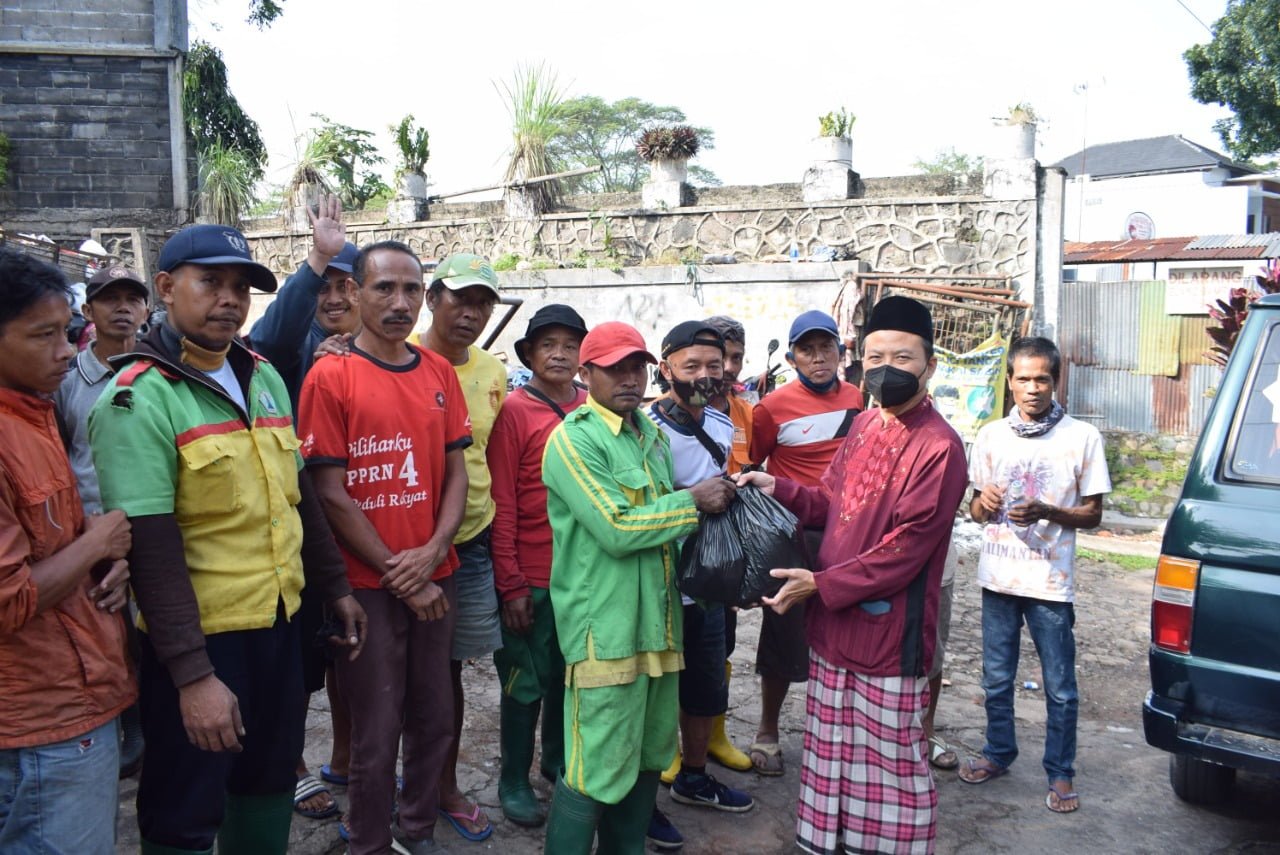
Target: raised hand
x: 328, y: 232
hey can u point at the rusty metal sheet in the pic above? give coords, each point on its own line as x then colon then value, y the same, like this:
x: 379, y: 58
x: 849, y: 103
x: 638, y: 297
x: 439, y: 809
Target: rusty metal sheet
x: 1116, y: 325
x: 1169, y: 403
x: 1079, y: 322
x: 1193, y: 340
x: 1111, y: 399
x: 1158, y: 333
x: 1166, y: 249
x: 1202, y: 380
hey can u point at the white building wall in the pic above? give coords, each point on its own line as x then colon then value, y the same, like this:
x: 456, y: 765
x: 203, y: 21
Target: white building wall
x: 1179, y: 204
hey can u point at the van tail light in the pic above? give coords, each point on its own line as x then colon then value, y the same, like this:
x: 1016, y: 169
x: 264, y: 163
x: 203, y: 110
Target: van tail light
x: 1173, y: 603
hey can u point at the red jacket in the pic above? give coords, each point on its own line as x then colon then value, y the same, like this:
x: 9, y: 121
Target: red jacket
x: 520, y: 541
x: 63, y: 671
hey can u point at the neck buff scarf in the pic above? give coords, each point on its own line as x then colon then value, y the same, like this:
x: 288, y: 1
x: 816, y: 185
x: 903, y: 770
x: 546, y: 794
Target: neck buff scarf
x: 1040, y: 426
x: 190, y: 353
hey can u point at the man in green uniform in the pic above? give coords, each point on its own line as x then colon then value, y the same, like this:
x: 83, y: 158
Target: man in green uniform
x: 615, y: 519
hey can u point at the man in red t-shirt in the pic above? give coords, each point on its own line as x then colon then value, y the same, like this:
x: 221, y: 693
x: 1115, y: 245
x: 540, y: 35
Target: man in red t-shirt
x: 393, y: 490
x: 796, y: 431
x: 530, y: 665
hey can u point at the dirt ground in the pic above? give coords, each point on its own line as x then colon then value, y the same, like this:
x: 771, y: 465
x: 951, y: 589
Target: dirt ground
x: 1126, y: 803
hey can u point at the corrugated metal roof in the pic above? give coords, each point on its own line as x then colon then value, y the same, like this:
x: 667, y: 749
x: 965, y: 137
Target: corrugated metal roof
x: 1111, y: 399
x: 1158, y: 333
x: 1207, y: 248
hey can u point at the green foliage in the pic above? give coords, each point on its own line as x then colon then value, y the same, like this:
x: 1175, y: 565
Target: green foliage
x: 837, y: 123
x: 340, y: 157
x: 506, y: 261
x: 5, y: 148
x: 1144, y: 474
x: 1128, y: 562
x: 533, y: 99
x: 668, y: 142
x: 263, y: 13
x: 1022, y: 113
x: 267, y: 204
x: 592, y: 130
x: 413, y: 146
x: 1232, y: 312
x: 213, y: 115
x: 226, y: 185
x: 1240, y: 69
x: 950, y: 161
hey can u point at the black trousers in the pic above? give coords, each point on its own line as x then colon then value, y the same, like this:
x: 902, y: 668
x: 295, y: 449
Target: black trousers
x: 182, y: 793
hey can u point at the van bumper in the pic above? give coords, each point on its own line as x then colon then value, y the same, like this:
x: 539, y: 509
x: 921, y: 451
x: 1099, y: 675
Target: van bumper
x: 1164, y: 729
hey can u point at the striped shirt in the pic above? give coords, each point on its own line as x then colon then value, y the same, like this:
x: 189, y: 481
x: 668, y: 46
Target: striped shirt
x: 798, y: 431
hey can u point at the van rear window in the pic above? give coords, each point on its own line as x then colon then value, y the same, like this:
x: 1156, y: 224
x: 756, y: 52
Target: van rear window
x: 1255, y: 451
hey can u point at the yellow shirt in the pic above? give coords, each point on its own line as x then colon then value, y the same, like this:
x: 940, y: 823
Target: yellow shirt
x: 484, y: 385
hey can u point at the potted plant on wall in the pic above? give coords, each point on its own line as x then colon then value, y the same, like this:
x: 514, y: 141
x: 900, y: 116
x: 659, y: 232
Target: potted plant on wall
x: 413, y: 146
x: 667, y: 149
x: 834, y: 143
x: 1019, y: 130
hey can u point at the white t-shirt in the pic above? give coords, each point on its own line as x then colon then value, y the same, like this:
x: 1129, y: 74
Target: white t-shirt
x: 690, y: 458
x: 1058, y: 468
x: 226, y: 378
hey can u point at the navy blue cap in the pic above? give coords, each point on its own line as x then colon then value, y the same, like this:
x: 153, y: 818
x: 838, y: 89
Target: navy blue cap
x: 345, y: 260
x: 810, y: 321
x: 210, y: 244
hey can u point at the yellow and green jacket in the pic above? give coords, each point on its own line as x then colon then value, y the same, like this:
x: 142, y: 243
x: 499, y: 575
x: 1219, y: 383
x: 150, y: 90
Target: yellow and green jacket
x: 615, y: 521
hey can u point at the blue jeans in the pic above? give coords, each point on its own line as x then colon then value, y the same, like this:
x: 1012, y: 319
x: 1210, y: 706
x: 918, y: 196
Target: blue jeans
x: 1050, y: 625
x: 61, y: 799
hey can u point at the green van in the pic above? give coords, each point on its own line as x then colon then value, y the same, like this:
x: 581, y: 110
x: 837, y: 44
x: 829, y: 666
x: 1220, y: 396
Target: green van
x: 1215, y: 612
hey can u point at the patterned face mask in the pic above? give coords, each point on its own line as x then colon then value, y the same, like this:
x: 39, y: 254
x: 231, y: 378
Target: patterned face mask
x: 699, y: 392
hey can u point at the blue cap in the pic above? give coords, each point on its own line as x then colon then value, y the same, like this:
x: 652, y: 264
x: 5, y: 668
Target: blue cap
x: 345, y: 260
x: 210, y: 244
x: 810, y: 321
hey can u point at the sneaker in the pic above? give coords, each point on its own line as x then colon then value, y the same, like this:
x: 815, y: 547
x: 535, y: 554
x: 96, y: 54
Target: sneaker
x: 402, y: 843
x: 706, y: 791
x: 662, y: 834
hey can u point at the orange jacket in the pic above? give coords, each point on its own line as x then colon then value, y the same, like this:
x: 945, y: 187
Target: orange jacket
x: 63, y: 671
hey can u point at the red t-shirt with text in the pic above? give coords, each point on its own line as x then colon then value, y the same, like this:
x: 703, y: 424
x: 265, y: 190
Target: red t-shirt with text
x: 389, y: 427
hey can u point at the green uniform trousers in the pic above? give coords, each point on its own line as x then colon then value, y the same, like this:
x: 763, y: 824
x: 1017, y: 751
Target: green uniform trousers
x: 531, y: 666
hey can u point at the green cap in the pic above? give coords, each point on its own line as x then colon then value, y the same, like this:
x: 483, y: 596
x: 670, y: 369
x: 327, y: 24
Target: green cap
x: 464, y: 269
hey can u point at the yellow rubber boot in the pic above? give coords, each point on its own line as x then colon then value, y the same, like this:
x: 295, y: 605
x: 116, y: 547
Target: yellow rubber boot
x: 720, y: 749
x: 669, y: 776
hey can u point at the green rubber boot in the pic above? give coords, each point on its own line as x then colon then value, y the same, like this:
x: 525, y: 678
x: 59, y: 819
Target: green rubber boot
x: 518, y: 724
x: 623, y: 826
x: 552, y: 763
x: 258, y: 824
x: 148, y: 848
x: 571, y: 827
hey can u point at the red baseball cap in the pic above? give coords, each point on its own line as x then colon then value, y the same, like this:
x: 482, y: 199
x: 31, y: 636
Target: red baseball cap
x: 610, y: 343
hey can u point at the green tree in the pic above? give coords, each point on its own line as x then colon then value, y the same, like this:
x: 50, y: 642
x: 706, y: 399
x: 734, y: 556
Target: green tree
x: 263, y: 13
x: 213, y: 115
x: 591, y: 130
x: 949, y: 160
x: 1240, y: 69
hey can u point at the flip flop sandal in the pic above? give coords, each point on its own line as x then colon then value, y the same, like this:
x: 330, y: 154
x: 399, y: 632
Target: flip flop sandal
x: 333, y: 777
x: 457, y: 818
x: 980, y: 774
x: 766, y: 758
x: 1062, y: 797
x: 307, y: 788
x: 941, y: 756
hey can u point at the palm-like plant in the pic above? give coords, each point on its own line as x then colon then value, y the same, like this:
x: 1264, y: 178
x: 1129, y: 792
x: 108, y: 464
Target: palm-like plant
x: 226, y: 185
x: 533, y: 99
x: 413, y: 144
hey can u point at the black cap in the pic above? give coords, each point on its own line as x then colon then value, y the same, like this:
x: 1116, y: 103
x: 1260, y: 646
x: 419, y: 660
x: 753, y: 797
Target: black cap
x: 208, y: 244
x: 689, y: 333
x: 111, y: 275
x: 550, y: 315
x: 902, y: 314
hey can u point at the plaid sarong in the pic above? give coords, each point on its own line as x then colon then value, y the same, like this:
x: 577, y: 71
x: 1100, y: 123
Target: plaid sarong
x: 865, y: 784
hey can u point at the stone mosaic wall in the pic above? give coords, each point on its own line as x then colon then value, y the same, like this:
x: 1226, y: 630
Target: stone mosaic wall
x: 964, y: 234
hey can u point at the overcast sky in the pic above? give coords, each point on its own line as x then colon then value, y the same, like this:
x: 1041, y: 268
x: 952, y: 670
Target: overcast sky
x: 920, y: 76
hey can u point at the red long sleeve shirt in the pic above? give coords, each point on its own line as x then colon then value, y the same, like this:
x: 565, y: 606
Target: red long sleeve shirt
x: 520, y: 540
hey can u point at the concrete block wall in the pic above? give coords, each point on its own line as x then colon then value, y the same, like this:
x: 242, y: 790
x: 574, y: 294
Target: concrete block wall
x: 115, y: 23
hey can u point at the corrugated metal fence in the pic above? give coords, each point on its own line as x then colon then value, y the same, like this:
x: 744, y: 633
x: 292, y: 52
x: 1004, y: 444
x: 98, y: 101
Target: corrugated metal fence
x: 1128, y: 365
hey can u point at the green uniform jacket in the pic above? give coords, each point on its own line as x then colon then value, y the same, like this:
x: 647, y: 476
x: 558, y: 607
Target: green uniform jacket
x: 614, y: 523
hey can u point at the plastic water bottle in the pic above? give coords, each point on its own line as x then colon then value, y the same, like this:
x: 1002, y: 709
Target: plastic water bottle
x: 795, y: 251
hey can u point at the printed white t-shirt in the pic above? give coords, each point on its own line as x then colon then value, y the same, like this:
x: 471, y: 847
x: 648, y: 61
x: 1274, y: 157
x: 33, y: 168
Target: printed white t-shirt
x: 1058, y: 468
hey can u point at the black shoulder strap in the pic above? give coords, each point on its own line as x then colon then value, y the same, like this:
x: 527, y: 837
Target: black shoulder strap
x: 541, y: 396
x: 680, y: 417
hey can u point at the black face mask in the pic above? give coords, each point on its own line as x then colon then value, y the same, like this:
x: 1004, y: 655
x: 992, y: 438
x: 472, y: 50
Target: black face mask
x: 892, y: 386
x: 698, y: 393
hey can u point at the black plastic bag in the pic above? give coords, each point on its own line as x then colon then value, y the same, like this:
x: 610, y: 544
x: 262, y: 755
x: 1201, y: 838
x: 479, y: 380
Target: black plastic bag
x: 729, y: 558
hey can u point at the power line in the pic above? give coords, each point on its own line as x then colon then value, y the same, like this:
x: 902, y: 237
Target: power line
x: 1194, y: 15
